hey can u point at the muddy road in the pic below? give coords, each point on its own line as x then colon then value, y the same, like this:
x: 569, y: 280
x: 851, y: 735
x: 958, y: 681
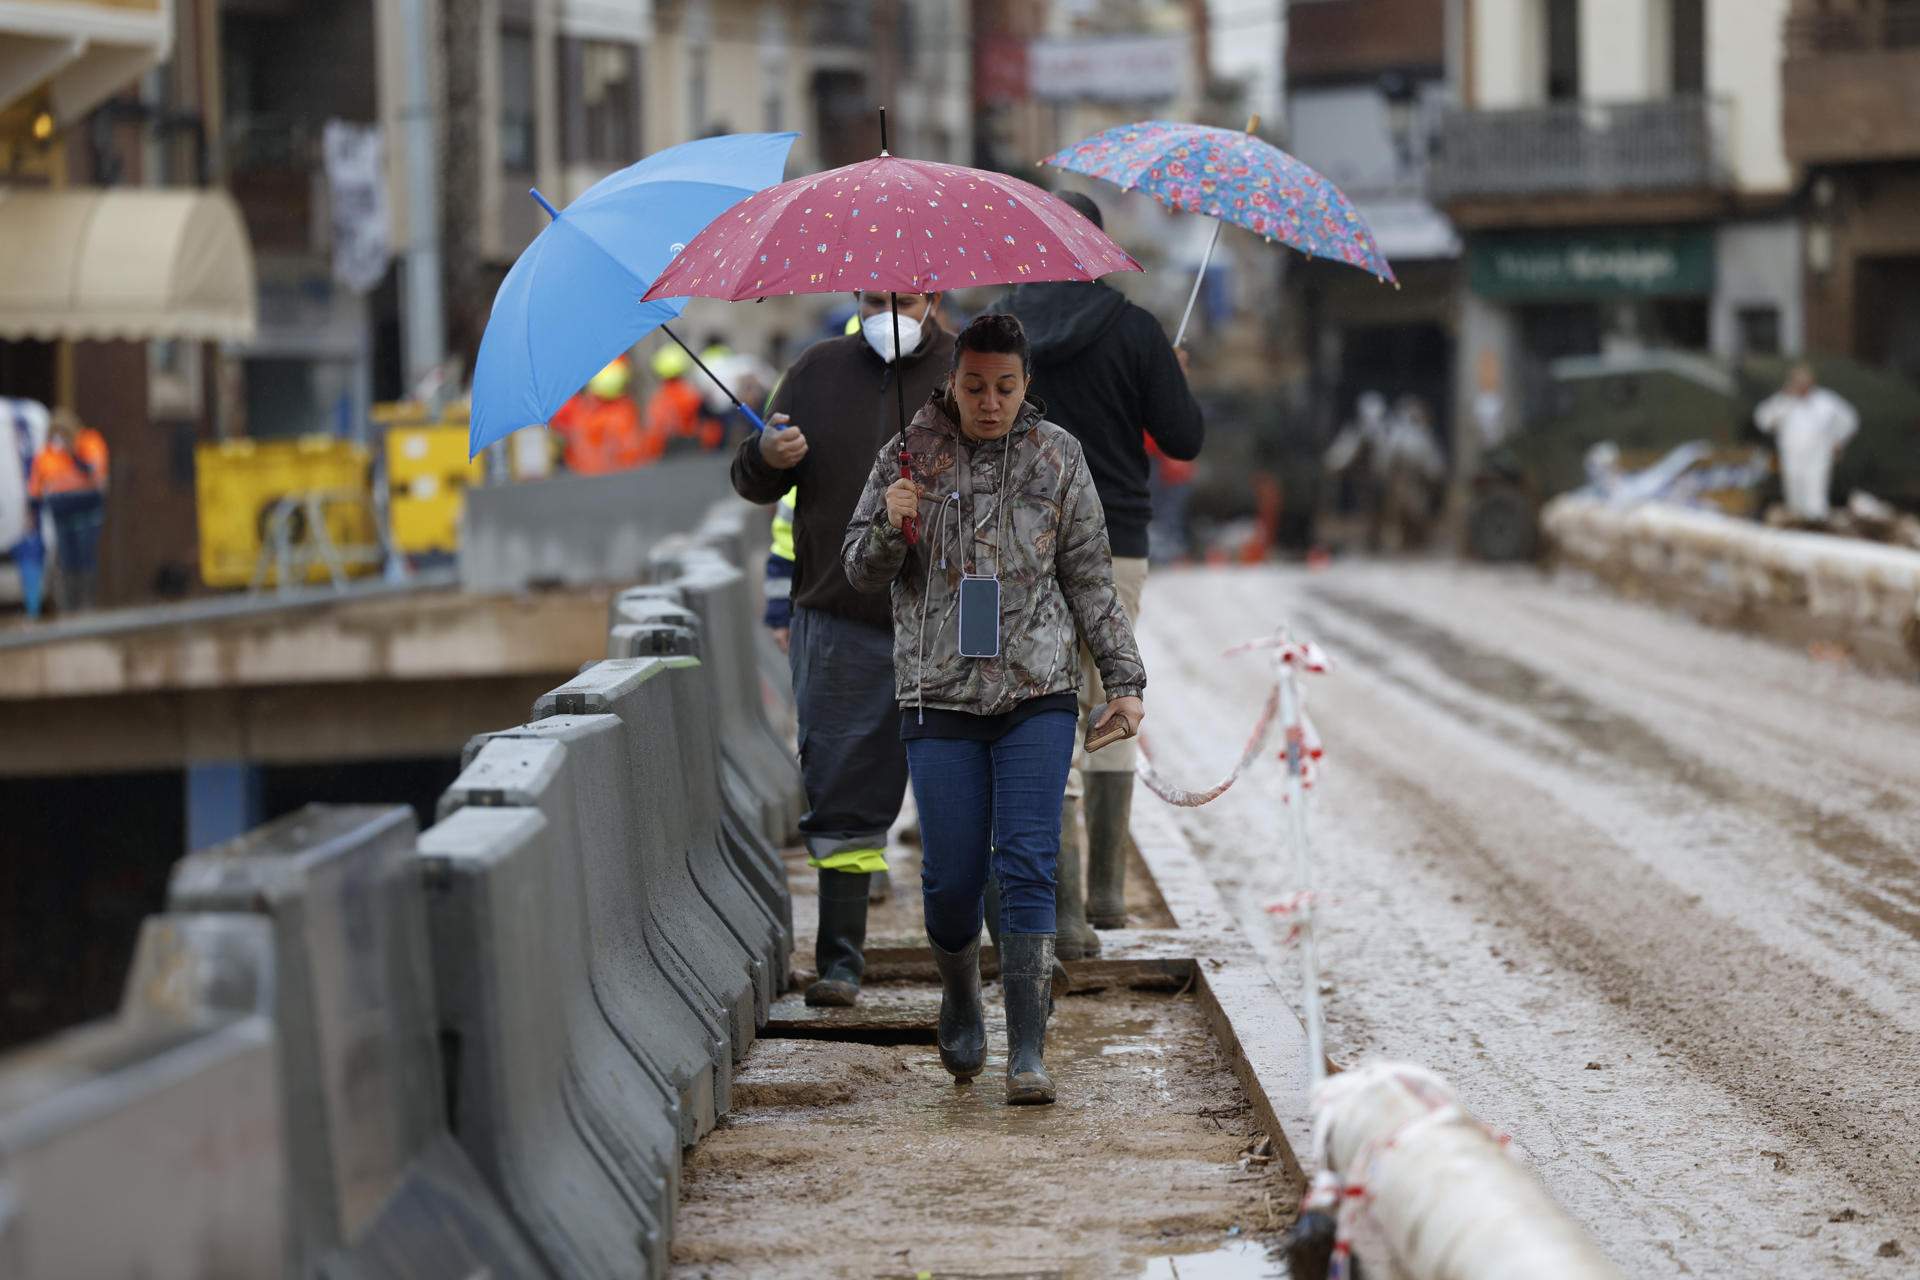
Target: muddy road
x: 1647, y: 893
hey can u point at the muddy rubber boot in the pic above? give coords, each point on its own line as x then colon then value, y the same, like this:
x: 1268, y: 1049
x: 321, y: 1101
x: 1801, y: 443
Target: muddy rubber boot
x: 963, y: 1026
x: 1026, y: 973
x: 1109, y: 804
x: 879, y: 886
x: 837, y: 950
x: 1075, y: 938
x: 1061, y: 982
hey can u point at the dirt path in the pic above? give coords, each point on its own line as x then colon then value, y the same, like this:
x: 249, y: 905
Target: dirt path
x: 1649, y: 894
x: 854, y: 1159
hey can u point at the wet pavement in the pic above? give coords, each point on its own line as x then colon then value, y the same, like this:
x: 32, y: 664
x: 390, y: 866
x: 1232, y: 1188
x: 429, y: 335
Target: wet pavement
x: 1647, y: 893
x: 849, y: 1158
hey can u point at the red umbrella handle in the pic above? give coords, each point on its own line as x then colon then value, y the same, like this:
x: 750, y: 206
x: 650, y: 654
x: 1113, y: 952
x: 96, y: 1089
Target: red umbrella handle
x: 911, y: 525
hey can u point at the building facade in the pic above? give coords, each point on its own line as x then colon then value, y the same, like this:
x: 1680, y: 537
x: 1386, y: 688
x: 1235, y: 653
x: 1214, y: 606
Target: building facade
x: 1619, y: 175
x: 124, y: 273
x: 1367, y: 86
x: 1852, y: 117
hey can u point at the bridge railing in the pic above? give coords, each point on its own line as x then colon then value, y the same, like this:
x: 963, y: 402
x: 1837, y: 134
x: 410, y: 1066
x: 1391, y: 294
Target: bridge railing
x: 351, y: 1047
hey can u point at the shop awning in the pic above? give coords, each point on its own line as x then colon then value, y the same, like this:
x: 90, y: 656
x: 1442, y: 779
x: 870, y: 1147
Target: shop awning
x: 82, y: 52
x: 124, y: 263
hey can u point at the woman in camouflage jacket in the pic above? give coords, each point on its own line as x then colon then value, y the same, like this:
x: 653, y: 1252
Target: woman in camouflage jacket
x: 989, y: 739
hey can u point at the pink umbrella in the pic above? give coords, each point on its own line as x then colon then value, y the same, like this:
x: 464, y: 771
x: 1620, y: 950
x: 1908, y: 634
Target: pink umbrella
x: 893, y: 225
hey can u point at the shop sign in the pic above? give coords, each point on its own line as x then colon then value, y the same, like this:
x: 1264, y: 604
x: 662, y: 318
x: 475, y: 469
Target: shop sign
x: 1598, y: 264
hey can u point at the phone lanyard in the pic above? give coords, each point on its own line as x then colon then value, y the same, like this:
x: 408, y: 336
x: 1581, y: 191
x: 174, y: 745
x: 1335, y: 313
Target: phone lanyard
x: 969, y: 527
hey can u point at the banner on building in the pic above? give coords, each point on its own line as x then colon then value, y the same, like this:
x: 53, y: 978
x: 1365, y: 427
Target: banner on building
x: 357, y: 180
x: 1107, y: 68
x: 1655, y: 262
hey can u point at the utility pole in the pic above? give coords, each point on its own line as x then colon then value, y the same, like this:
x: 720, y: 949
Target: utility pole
x: 422, y: 316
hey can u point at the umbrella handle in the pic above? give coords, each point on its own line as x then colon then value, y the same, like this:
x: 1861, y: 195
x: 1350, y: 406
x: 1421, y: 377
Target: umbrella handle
x: 911, y: 525
x: 1195, y: 295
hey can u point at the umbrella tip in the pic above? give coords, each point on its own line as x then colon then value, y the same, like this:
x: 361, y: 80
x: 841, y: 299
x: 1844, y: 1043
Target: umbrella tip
x: 542, y: 202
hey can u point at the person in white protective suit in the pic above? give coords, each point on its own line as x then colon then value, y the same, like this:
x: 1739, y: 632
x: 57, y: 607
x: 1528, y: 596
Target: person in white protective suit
x: 1809, y: 425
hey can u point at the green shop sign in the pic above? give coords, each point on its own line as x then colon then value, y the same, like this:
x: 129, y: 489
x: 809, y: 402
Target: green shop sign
x: 1599, y: 264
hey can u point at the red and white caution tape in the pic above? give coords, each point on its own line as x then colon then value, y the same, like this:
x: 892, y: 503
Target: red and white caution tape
x: 1302, y: 655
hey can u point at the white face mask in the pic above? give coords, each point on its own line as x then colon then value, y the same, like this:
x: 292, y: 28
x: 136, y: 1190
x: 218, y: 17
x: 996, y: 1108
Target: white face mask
x: 878, y: 331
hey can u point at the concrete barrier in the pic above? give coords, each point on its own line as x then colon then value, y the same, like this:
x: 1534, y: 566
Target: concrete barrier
x: 581, y: 529
x: 1800, y: 587
x: 707, y: 917
x: 146, y: 1151
x: 169, y: 1113
x: 716, y: 592
x: 532, y: 1065
x: 629, y: 1026
x: 374, y: 1184
x: 659, y: 621
x: 742, y: 534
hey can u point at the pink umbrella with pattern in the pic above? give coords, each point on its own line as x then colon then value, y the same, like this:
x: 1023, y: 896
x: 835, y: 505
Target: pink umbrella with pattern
x: 890, y: 225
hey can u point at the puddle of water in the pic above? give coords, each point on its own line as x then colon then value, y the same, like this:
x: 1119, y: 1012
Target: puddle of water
x: 1234, y: 1260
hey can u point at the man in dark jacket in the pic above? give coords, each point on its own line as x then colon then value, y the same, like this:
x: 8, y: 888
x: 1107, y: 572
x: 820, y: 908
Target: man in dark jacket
x: 831, y: 413
x: 1107, y: 373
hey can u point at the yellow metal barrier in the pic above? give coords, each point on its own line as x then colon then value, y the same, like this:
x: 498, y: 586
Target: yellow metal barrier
x: 427, y: 476
x: 238, y: 483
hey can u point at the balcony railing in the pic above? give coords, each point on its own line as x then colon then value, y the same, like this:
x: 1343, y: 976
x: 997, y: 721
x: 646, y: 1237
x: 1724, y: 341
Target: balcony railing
x: 1894, y: 24
x: 1580, y: 149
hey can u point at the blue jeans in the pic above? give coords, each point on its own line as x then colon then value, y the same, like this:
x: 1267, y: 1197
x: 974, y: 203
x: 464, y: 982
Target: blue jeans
x: 991, y: 801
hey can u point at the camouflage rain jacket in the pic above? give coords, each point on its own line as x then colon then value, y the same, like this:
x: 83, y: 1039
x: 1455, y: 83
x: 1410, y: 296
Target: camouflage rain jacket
x: 1055, y: 570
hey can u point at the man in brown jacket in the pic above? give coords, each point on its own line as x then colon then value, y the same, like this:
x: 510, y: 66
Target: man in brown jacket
x: 831, y: 413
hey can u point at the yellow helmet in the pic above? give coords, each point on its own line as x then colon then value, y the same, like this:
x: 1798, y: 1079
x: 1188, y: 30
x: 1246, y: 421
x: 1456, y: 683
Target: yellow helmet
x: 670, y: 362
x: 611, y: 381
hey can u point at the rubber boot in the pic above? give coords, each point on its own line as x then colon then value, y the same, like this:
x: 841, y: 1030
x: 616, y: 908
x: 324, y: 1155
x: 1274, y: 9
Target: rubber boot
x: 1061, y: 982
x: 1109, y: 804
x: 1026, y: 972
x: 1075, y: 939
x: 837, y: 950
x: 963, y: 1026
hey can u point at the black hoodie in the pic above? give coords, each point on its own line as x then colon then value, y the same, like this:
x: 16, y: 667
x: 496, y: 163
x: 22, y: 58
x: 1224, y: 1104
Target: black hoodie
x: 842, y: 397
x: 1107, y: 372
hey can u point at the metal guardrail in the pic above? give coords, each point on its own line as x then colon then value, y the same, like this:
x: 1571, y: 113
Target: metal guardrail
x: 1579, y: 148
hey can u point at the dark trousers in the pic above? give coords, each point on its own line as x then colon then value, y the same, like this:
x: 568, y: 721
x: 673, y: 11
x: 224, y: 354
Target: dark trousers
x: 991, y: 803
x: 77, y: 519
x: 852, y: 762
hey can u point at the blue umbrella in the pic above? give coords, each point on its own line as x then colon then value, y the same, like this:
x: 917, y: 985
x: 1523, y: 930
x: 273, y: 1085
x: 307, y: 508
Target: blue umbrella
x: 572, y: 301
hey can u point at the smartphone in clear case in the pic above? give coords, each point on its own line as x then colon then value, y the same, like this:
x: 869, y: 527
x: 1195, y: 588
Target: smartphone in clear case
x: 979, y: 617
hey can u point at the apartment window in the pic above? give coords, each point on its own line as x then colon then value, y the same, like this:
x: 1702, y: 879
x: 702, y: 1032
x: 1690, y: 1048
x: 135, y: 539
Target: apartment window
x: 1689, y: 46
x: 1759, y: 330
x: 516, y: 100
x: 601, y: 82
x: 1563, y: 50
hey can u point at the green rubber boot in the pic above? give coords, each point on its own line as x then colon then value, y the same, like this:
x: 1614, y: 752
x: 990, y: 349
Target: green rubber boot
x: 1109, y: 804
x: 1074, y: 937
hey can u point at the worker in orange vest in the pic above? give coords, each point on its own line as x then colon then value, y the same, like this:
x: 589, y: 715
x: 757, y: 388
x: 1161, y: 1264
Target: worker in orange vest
x: 70, y: 476
x: 676, y: 411
x: 601, y: 425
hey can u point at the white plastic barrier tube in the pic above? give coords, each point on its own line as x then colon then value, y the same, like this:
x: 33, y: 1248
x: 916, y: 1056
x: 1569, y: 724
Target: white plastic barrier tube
x: 1431, y: 1194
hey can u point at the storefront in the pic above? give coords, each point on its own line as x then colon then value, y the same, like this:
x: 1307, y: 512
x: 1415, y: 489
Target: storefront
x: 1587, y: 293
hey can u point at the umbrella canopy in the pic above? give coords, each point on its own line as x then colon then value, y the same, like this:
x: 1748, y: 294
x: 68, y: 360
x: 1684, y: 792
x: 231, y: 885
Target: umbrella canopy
x: 573, y: 300
x: 1235, y: 177
x: 890, y: 225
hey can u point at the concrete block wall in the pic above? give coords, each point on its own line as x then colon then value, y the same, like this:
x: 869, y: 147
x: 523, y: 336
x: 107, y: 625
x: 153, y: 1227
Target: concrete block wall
x: 353, y: 1048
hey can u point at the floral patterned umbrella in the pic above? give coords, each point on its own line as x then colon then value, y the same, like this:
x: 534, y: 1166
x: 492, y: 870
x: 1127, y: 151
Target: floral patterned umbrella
x: 1232, y: 177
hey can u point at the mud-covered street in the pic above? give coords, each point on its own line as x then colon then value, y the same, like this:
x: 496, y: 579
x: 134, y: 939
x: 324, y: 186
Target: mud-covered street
x: 1647, y: 893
